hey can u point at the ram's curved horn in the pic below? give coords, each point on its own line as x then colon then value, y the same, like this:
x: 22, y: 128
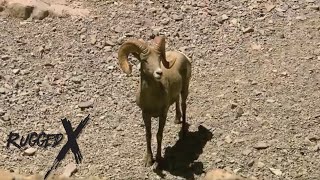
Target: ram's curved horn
x: 160, y: 47
x: 134, y: 46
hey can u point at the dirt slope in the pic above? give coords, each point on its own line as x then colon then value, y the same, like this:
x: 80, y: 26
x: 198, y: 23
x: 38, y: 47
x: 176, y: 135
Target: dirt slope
x: 254, y: 97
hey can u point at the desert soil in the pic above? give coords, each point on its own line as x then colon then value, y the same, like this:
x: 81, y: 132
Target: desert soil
x: 253, y: 106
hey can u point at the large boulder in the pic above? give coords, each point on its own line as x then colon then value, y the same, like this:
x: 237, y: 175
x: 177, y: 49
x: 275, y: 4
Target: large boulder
x: 40, y: 9
x: 20, y: 10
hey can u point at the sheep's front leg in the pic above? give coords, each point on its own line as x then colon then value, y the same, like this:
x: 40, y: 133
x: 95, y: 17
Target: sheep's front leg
x: 162, y: 122
x: 148, y: 160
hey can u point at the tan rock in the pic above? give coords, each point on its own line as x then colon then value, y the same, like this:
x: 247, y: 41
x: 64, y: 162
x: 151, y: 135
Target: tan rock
x: 93, y: 178
x: 276, y: 171
x: 19, y: 10
x: 220, y: 174
x: 255, y: 46
x: 5, y: 175
x: 269, y: 7
x: 29, y: 152
x: 34, y: 177
x: 39, y: 13
x: 69, y: 170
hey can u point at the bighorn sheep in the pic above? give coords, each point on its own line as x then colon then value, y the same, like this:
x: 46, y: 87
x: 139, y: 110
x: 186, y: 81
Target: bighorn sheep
x: 164, y: 76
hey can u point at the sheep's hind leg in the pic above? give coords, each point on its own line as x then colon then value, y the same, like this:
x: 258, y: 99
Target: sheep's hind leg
x: 184, y: 95
x: 178, y: 112
x: 148, y: 159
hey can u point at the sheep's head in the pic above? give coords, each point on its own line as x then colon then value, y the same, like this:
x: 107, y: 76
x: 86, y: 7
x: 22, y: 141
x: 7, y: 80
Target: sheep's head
x: 150, y: 57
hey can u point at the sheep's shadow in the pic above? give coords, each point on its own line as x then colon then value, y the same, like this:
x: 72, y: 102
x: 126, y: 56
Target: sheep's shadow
x: 179, y: 160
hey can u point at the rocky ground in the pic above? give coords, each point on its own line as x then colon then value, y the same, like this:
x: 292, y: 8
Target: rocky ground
x: 254, y: 96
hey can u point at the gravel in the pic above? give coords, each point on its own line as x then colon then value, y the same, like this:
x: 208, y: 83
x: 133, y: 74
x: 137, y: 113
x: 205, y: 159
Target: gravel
x: 67, y: 68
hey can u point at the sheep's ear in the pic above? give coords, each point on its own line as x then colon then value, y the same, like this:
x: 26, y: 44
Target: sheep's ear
x: 168, y: 63
x: 136, y: 55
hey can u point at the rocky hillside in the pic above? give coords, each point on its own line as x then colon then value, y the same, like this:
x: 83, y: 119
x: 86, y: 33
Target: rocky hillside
x: 253, y: 107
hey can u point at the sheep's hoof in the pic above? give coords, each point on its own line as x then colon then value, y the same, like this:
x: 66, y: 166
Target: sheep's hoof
x: 156, y: 166
x: 148, y: 161
x: 177, y: 121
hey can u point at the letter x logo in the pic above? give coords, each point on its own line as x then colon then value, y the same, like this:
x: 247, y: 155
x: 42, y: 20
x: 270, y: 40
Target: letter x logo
x: 72, y: 143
